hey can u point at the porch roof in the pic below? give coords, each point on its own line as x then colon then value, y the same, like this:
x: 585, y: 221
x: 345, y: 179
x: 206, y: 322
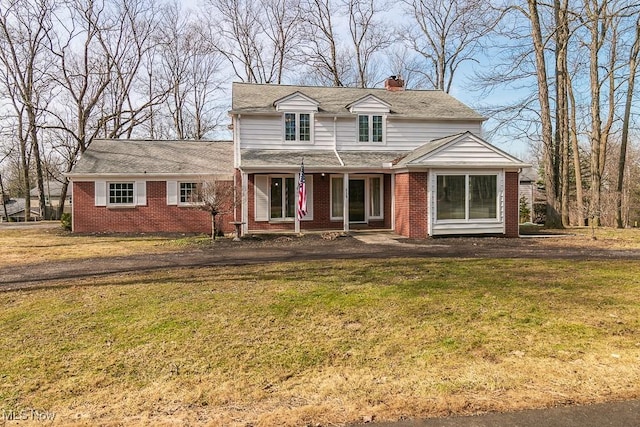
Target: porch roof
x: 317, y: 159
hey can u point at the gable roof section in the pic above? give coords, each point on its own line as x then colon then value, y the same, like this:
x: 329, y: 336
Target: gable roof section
x: 297, y: 101
x: 142, y: 157
x: 369, y: 103
x: 464, y: 149
x: 248, y: 98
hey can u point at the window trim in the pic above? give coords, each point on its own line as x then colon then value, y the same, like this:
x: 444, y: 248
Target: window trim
x: 467, y: 219
x: 185, y: 203
x: 118, y: 205
x: 367, y: 189
x: 370, y: 123
x: 297, y: 127
x: 284, y: 218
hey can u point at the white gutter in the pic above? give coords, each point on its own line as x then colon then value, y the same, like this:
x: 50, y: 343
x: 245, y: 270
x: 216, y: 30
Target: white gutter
x: 335, y: 139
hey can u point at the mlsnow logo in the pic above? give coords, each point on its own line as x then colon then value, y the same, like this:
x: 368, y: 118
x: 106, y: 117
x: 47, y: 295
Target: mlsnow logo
x: 27, y: 415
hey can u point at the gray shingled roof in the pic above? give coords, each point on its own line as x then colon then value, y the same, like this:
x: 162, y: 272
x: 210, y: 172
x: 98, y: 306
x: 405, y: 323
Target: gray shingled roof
x: 423, y: 104
x: 317, y: 159
x: 117, y: 156
x: 426, y: 149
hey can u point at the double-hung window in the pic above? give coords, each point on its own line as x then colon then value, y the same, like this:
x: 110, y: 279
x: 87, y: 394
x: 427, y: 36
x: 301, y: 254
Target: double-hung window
x: 283, y: 197
x: 297, y: 127
x: 370, y: 128
x: 121, y: 193
x: 467, y: 197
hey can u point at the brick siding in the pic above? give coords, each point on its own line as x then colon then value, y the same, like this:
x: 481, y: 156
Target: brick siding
x: 155, y: 217
x: 411, y: 204
x: 512, y: 204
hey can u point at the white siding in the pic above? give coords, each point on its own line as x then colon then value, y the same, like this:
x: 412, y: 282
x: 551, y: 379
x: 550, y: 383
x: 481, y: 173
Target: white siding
x: 296, y: 104
x: 369, y: 105
x: 261, y: 132
x: 467, y: 150
x: 403, y: 134
x: 323, y: 133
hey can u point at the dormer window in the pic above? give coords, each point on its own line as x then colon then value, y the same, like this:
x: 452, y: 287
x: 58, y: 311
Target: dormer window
x: 297, y: 127
x: 370, y: 128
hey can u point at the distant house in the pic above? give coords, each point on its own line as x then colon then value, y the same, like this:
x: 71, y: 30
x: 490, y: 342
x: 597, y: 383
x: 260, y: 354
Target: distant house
x: 15, y: 209
x: 412, y: 161
x: 146, y: 186
x: 53, y: 191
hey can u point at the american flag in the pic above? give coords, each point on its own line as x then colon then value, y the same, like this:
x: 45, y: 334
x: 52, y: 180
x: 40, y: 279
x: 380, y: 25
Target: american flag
x: 302, y: 194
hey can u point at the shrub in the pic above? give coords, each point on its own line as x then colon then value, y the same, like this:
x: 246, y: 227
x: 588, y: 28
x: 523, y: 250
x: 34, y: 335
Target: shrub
x: 65, y: 219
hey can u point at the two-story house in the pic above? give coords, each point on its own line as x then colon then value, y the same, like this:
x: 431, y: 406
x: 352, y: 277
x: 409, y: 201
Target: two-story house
x: 412, y: 161
x: 409, y: 160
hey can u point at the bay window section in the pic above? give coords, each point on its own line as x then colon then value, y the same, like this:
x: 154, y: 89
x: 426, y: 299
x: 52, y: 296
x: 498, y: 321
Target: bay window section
x: 282, y: 197
x: 483, y: 196
x: 464, y: 197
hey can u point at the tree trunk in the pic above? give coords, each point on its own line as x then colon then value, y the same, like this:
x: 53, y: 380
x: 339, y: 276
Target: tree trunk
x: 633, y: 65
x: 554, y: 219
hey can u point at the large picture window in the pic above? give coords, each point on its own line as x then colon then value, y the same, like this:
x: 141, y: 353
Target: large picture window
x: 283, y: 198
x: 464, y: 197
x: 121, y: 193
x: 297, y: 127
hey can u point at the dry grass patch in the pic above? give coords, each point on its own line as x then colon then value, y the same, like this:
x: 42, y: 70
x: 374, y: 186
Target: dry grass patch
x: 26, y: 246
x: 323, y: 342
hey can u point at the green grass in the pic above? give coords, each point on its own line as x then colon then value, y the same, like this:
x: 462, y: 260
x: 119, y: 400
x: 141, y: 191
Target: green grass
x: 325, y: 342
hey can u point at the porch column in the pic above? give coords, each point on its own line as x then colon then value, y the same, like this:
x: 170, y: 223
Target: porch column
x: 345, y: 201
x: 296, y: 224
x: 245, y: 202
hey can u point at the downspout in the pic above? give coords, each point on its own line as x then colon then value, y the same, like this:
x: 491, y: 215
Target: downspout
x: 335, y: 139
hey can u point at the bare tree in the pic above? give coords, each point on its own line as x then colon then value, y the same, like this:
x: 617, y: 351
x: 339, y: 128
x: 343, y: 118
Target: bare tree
x: 633, y: 69
x: 370, y: 35
x: 101, y: 48
x: 25, y: 33
x: 216, y: 197
x: 446, y: 34
x: 327, y: 60
x: 189, y: 66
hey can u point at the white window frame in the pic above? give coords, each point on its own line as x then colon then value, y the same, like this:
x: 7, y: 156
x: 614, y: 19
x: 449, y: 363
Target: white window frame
x: 297, y: 130
x: 467, y: 219
x: 284, y: 218
x: 370, y: 125
x: 187, y: 203
x: 367, y: 194
x: 133, y: 194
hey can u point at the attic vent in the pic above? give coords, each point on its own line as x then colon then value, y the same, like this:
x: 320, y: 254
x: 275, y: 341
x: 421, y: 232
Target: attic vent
x: 394, y: 83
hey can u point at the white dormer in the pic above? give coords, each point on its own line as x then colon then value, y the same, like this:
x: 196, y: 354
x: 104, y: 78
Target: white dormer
x: 369, y: 104
x: 296, y: 102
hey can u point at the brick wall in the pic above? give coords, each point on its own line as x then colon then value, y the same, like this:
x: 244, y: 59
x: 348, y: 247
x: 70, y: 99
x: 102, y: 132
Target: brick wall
x: 511, y: 204
x: 155, y: 217
x: 411, y: 204
x: 321, y: 208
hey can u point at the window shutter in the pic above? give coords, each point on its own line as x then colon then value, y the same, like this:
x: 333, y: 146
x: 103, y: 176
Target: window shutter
x: 141, y: 193
x: 308, y: 179
x: 172, y: 193
x: 261, y: 184
x: 100, y: 193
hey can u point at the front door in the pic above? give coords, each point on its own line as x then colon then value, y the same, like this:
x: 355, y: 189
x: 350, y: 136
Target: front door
x: 356, y: 200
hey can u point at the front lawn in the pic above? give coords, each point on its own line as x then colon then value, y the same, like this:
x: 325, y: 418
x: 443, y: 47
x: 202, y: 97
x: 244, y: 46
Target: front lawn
x: 323, y: 343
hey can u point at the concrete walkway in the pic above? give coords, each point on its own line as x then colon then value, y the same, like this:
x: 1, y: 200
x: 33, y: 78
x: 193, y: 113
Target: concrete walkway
x: 613, y: 414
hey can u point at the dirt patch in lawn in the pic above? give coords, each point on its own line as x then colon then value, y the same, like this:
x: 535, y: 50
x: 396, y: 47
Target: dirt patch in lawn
x: 200, y: 252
